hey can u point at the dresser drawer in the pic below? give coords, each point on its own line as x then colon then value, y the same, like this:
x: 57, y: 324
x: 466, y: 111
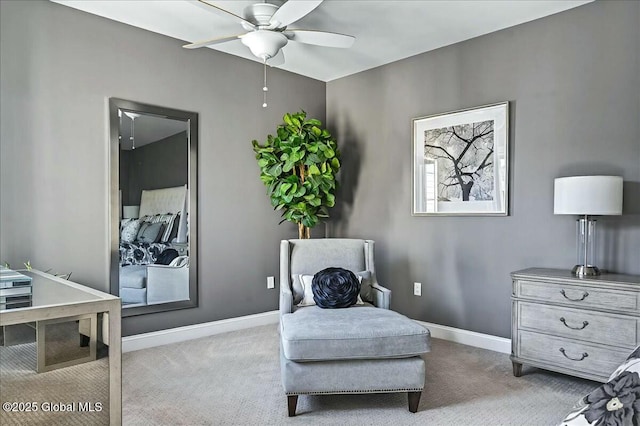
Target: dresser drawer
x: 591, y: 326
x: 571, y: 354
x: 576, y: 295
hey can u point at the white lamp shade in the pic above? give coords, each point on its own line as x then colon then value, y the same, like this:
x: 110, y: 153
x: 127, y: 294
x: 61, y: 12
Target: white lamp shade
x: 588, y: 195
x: 130, y: 212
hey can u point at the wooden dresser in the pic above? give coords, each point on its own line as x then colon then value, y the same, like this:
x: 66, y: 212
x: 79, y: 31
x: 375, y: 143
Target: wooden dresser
x: 584, y: 327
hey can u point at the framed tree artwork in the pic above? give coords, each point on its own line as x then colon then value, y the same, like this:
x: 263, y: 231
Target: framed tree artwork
x: 461, y: 162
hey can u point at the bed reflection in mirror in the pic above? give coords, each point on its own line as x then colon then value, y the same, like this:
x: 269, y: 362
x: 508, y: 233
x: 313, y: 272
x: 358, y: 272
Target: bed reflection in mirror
x: 154, y: 260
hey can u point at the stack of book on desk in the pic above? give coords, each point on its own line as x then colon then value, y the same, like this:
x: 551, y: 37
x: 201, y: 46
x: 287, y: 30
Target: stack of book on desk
x: 15, y: 289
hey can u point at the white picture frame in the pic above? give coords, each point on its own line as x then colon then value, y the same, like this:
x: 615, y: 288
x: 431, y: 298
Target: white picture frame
x: 460, y: 162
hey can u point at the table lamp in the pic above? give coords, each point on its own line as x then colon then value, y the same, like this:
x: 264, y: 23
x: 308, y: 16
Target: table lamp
x: 130, y: 212
x: 587, y: 196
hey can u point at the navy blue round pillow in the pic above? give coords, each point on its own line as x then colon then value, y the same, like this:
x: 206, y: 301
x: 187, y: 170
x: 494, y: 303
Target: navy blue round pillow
x: 335, y: 288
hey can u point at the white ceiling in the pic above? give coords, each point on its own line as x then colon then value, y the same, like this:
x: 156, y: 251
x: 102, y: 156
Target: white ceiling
x: 148, y: 129
x: 385, y: 31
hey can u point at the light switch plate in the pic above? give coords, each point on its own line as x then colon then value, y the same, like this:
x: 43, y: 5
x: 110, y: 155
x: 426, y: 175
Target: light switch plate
x: 271, y: 283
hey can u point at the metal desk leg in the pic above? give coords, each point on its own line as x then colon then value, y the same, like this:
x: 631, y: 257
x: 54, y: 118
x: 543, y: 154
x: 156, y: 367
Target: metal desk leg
x: 41, y: 338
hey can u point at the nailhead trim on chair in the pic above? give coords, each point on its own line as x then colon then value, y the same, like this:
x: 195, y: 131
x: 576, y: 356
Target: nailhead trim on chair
x: 357, y: 391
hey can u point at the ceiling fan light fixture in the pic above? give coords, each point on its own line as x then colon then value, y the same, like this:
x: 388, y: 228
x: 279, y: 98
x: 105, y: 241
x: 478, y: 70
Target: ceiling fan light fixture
x: 267, y: 34
x: 264, y: 44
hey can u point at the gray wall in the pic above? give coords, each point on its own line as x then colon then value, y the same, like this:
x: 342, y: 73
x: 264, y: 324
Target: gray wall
x: 58, y: 67
x: 161, y: 164
x: 573, y: 80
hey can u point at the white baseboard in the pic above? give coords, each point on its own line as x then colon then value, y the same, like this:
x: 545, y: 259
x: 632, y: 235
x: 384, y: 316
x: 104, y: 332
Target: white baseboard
x: 470, y: 338
x: 189, y: 332
x: 196, y: 331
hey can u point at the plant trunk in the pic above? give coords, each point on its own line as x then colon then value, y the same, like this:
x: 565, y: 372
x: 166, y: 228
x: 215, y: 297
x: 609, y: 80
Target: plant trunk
x: 303, y: 232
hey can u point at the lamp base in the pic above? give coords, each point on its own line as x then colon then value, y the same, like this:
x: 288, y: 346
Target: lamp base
x: 585, y: 271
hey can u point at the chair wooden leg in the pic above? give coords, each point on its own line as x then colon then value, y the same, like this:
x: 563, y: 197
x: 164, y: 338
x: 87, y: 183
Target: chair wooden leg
x: 414, y: 400
x: 292, y: 402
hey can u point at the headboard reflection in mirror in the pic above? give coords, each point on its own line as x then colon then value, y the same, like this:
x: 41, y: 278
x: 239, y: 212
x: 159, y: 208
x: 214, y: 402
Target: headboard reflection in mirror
x: 153, y: 207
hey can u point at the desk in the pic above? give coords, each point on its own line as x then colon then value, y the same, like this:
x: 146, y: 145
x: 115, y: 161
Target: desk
x: 55, y: 299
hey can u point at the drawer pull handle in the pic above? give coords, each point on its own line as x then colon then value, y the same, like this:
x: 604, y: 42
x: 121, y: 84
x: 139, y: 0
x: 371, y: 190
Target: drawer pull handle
x: 584, y: 355
x: 584, y: 296
x: 584, y: 324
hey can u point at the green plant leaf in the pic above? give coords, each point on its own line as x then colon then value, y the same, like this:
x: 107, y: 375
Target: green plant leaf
x: 315, y: 202
x: 313, y: 170
x: 288, y: 166
x: 275, y: 170
x: 331, y: 200
x: 312, y: 159
x: 310, y: 221
x: 284, y: 188
x: 300, y: 191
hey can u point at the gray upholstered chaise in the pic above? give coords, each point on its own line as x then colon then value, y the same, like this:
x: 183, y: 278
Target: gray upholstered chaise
x: 361, y: 349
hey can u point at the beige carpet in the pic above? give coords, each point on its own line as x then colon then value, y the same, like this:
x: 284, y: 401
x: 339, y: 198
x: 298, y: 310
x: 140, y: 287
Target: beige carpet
x: 234, y: 379
x: 59, y: 397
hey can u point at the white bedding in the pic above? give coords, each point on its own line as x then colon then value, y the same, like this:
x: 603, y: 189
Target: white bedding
x: 135, y: 257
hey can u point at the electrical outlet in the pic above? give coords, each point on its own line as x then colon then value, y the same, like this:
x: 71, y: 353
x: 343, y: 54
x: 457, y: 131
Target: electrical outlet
x: 271, y: 282
x: 417, y: 289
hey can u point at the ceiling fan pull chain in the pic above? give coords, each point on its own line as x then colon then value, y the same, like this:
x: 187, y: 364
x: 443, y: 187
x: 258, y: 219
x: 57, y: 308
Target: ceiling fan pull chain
x: 265, y: 89
x: 133, y: 133
x: 119, y: 125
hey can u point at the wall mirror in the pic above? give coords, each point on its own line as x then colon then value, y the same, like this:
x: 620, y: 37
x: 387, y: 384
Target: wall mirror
x: 154, y: 157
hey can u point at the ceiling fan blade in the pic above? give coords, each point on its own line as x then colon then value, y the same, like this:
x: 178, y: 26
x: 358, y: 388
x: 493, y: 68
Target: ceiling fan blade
x: 321, y: 38
x: 293, y: 10
x: 277, y: 60
x: 213, y: 8
x: 211, y: 41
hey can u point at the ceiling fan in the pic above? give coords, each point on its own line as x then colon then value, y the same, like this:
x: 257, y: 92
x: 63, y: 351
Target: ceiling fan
x: 267, y: 34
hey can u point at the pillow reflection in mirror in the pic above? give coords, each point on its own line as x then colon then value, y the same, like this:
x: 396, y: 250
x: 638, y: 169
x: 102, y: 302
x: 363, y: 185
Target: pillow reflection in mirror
x: 130, y: 231
x: 151, y: 233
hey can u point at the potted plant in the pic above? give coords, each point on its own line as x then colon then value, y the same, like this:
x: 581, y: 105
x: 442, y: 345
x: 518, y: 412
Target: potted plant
x: 299, y: 167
